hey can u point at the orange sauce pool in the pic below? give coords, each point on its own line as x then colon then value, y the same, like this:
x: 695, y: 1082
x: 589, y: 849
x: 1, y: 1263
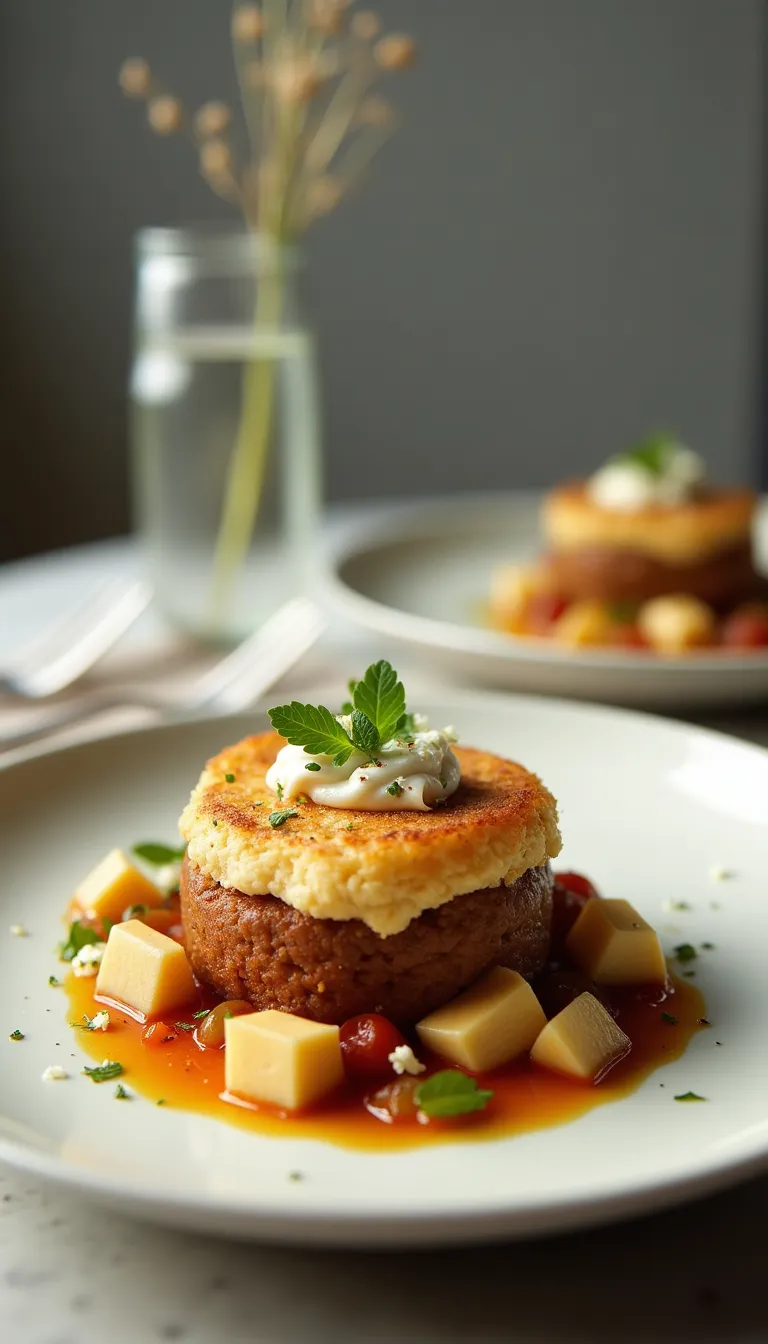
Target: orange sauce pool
x: 185, y: 1076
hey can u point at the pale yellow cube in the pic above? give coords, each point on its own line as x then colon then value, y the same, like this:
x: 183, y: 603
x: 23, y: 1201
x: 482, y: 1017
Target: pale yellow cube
x: 145, y: 970
x: 285, y: 1060
x: 615, y: 945
x: 112, y: 886
x: 584, y: 623
x: 583, y: 1041
x: 493, y: 1021
x: 678, y: 622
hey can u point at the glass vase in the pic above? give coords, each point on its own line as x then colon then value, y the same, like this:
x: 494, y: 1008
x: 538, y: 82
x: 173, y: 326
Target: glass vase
x: 225, y: 428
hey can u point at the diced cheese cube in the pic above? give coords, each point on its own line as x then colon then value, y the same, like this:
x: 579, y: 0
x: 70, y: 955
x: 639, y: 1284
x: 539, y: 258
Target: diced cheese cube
x: 583, y: 1041
x: 144, y: 970
x: 615, y: 945
x: 114, y: 885
x: 285, y: 1060
x: 494, y: 1020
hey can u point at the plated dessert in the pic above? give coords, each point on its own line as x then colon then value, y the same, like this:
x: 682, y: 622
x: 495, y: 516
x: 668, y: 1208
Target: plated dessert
x: 363, y: 940
x: 648, y: 555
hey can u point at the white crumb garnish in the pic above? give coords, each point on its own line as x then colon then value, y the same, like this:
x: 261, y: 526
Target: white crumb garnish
x: 88, y: 959
x: 18, y: 931
x: 403, y: 1060
x: 100, y: 1021
x: 54, y: 1073
x: 719, y: 874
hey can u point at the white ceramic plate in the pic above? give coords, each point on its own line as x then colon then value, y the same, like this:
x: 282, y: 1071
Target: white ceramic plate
x: 647, y: 809
x: 422, y: 576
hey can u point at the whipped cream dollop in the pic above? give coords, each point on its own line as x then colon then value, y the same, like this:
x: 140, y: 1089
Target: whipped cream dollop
x: 407, y: 775
x: 670, y: 474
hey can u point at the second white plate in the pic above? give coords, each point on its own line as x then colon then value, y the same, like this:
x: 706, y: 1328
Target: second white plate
x: 422, y: 575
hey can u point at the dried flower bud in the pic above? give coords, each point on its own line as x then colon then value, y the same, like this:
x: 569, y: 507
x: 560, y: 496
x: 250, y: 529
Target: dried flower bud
x: 247, y: 24
x: 396, y: 52
x: 164, y: 115
x: 212, y: 119
x: 366, y: 25
x: 375, y: 112
x: 135, y: 78
x: 215, y: 159
x: 296, y: 81
x: 324, y: 195
x: 326, y: 16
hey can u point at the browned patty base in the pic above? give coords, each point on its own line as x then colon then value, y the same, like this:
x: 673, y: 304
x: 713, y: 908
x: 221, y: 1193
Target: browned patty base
x: 611, y: 574
x: 260, y: 949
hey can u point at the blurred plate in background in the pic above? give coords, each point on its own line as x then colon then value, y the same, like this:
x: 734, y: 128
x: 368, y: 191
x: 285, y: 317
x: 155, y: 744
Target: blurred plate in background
x: 421, y: 578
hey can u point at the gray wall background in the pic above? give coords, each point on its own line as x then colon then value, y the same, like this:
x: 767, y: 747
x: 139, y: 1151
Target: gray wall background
x: 559, y: 250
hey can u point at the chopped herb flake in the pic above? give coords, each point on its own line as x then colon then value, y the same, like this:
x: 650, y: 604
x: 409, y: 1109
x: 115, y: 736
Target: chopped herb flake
x: 395, y: 789
x: 120, y: 1093
x: 679, y: 905
x: 160, y: 1101
x: 280, y: 818
x: 101, y: 1073
x: 708, y: 947
x: 16, y: 1035
x: 53, y: 982
x: 689, y: 1096
x: 203, y: 1012
x: 230, y: 779
x: 279, y: 791
x: 685, y: 952
x: 157, y: 855
x: 669, y: 1019
x: 450, y: 1092
x: 185, y: 1026
x: 313, y: 766
x: 704, y: 1022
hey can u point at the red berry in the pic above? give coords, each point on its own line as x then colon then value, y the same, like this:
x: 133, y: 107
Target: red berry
x: 366, y: 1044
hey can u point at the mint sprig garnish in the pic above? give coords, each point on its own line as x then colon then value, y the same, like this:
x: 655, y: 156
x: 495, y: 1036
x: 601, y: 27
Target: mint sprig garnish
x: 652, y: 453
x: 314, y: 728
x: 380, y: 696
x: 377, y: 713
x: 449, y: 1093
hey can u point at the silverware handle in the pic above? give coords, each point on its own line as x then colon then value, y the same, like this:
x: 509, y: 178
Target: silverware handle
x: 66, y: 716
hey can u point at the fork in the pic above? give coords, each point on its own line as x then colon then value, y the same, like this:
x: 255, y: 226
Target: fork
x: 57, y: 658
x: 230, y: 685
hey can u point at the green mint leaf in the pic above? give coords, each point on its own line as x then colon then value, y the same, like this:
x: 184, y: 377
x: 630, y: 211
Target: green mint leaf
x: 313, y: 766
x: 101, y: 1073
x: 689, y: 1096
x: 280, y: 818
x: 365, y: 734
x: 16, y: 1035
x: 685, y: 952
x: 120, y: 1093
x: 381, y: 697
x: 450, y: 1092
x: 80, y: 936
x: 157, y: 855
x: 652, y: 453
x: 395, y: 789
x: 314, y: 728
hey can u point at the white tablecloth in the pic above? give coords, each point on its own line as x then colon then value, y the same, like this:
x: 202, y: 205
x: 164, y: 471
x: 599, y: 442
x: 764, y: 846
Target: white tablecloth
x: 72, y: 1274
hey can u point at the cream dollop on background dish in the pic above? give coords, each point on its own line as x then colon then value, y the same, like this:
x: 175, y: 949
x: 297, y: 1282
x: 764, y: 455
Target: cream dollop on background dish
x: 421, y: 773
x: 626, y: 483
